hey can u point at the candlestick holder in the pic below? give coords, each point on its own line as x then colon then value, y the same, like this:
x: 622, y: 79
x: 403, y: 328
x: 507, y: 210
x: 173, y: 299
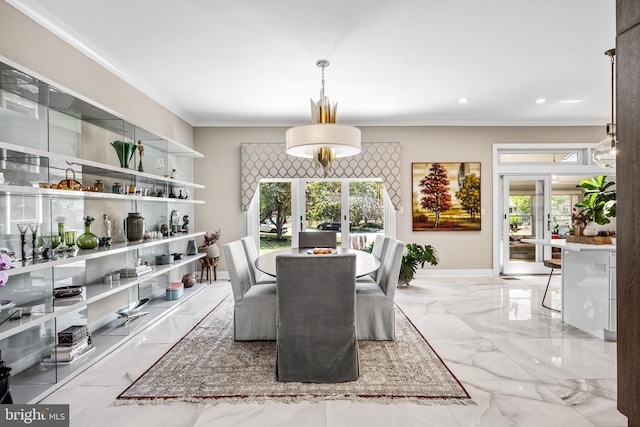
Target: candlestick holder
x: 34, y: 231
x: 23, y: 241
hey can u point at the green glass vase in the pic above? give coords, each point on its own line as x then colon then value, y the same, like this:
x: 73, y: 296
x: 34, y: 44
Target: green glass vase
x: 88, y: 240
x: 125, y: 152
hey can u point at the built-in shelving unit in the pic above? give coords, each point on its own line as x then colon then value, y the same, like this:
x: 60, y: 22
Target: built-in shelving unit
x: 45, y: 135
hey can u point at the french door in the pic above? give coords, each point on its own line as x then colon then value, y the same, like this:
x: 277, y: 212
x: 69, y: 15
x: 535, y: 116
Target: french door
x: 354, y: 209
x: 526, y: 214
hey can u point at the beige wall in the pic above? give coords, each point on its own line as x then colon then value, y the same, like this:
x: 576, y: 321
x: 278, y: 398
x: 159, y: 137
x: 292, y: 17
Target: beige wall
x: 28, y: 46
x: 219, y: 171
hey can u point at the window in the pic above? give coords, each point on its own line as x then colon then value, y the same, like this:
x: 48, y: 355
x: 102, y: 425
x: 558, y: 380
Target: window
x: 541, y: 157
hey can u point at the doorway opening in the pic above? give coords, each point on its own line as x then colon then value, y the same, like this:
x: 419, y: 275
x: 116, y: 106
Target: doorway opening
x: 535, y: 189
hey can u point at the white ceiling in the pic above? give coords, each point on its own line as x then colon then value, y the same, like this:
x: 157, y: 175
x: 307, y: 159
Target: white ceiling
x: 393, y: 62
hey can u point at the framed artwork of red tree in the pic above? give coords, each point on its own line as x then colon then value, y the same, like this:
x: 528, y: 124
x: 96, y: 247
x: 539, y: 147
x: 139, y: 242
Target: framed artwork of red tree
x: 446, y: 196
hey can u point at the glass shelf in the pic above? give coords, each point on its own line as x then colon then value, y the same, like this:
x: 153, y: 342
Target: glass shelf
x: 16, y: 189
x: 91, y: 293
x: 25, y: 95
x: 35, y: 156
x: 86, y: 254
x: 31, y: 385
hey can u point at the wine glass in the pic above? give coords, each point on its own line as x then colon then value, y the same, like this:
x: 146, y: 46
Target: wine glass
x: 55, y: 240
x: 46, y: 246
x: 160, y: 166
x: 62, y: 247
x: 70, y: 238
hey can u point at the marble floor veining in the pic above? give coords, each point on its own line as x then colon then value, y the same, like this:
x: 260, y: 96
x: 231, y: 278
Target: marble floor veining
x: 522, y: 366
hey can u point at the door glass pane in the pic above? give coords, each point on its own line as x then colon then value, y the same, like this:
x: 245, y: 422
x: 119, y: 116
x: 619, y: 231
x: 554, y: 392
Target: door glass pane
x: 323, y: 207
x: 526, y: 219
x: 561, y: 205
x: 275, y: 216
x: 366, y: 212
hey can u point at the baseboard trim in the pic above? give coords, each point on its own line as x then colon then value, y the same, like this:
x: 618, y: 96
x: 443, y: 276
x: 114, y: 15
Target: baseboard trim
x: 460, y: 272
x: 224, y: 275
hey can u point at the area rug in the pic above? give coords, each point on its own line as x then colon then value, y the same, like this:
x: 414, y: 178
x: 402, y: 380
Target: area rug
x: 207, y: 366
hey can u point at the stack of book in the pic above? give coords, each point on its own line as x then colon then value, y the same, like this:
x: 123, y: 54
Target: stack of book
x: 70, y: 353
x: 73, y: 344
x: 136, y: 271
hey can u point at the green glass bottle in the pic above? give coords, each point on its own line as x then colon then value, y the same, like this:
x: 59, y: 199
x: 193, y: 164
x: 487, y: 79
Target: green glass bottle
x: 88, y: 240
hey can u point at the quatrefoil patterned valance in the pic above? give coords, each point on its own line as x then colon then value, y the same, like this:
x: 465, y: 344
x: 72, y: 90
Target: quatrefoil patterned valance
x: 269, y: 160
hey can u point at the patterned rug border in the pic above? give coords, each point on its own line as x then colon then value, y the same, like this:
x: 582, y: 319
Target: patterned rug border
x: 292, y: 398
x: 467, y: 396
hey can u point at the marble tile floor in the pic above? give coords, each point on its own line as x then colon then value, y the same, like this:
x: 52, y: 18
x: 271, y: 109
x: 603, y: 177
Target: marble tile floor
x: 519, y: 362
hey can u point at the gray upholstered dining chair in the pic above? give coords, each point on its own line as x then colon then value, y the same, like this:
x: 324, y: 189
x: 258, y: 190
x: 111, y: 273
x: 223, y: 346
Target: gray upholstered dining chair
x: 316, y: 325
x: 317, y: 239
x: 379, y: 250
x: 254, y: 309
x: 258, y: 277
x: 375, y: 307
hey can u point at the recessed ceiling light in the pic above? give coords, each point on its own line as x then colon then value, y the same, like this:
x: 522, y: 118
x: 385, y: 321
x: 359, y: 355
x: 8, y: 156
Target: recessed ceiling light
x: 463, y: 100
x: 569, y: 101
x: 540, y: 101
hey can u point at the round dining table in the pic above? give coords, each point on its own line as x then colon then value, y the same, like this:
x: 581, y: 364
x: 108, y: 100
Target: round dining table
x: 366, y: 263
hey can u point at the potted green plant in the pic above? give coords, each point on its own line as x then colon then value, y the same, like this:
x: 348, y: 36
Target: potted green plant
x: 415, y: 255
x: 599, y: 204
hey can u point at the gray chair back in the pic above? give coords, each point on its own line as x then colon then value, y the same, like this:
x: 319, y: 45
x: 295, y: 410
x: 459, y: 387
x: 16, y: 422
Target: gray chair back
x: 251, y: 252
x: 390, y: 269
x: 315, y: 318
x: 379, y: 250
x: 239, y: 268
x: 317, y: 239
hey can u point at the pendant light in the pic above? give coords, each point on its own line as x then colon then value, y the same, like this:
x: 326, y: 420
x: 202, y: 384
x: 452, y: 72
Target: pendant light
x: 605, y: 153
x: 323, y: 140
